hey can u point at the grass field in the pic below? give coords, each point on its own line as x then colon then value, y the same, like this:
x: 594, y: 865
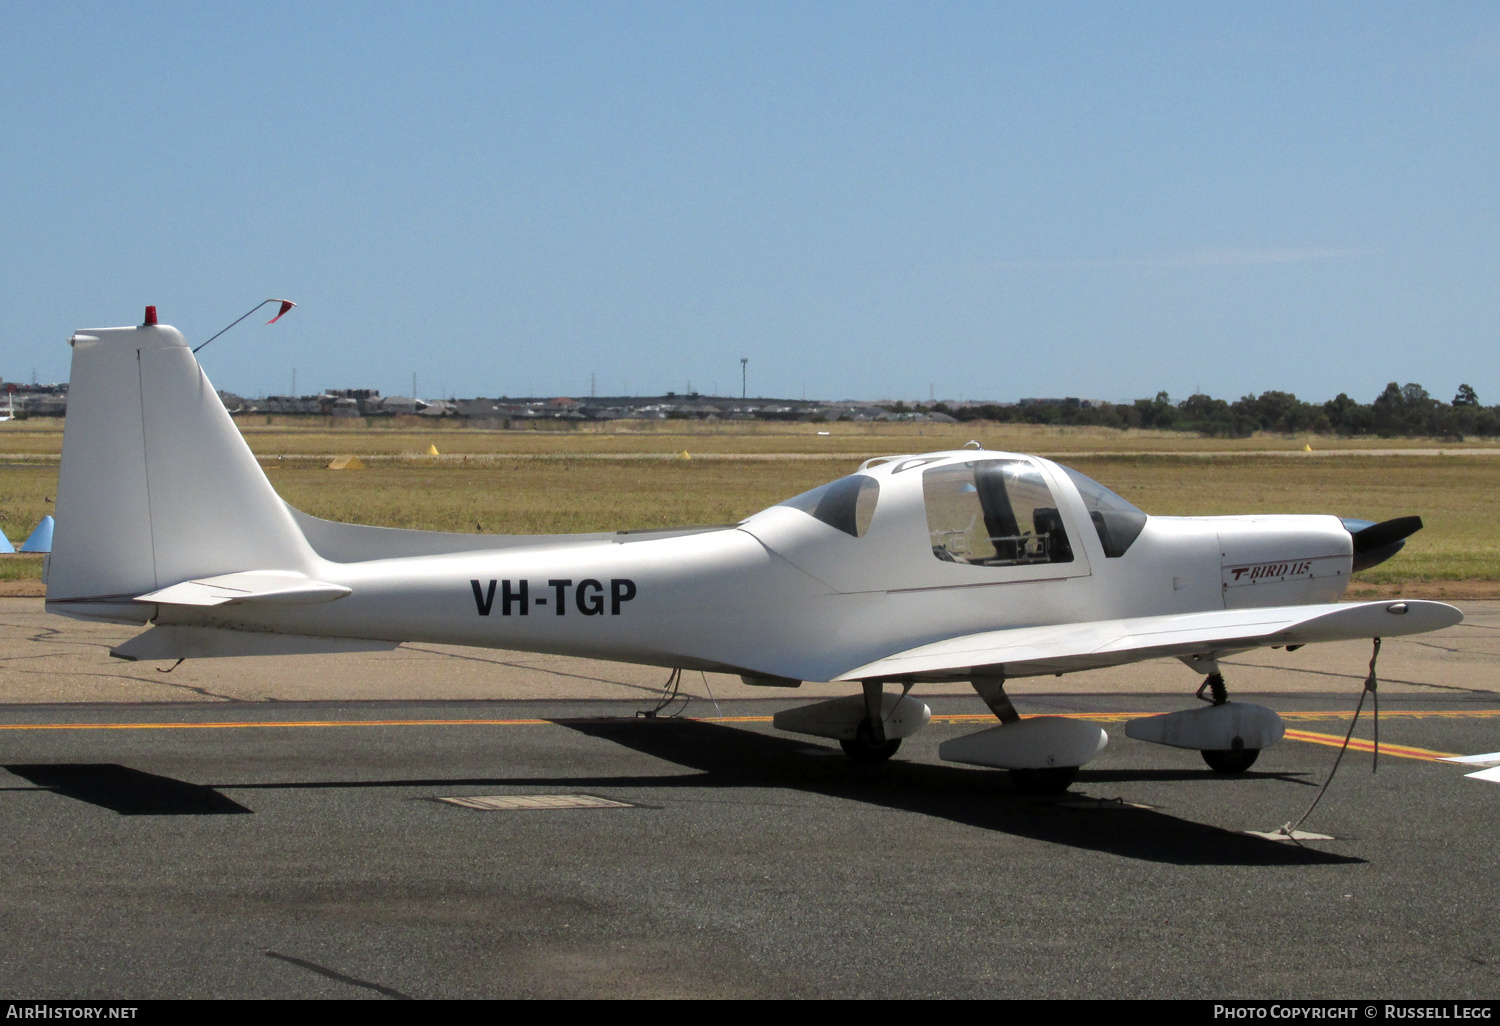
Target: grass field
x: 399, y: 436
x: 585, y: 485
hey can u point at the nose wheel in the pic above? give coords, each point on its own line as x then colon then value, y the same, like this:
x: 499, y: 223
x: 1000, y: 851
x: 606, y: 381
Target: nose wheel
x: 1229, y: 735
x: 1226, y: 760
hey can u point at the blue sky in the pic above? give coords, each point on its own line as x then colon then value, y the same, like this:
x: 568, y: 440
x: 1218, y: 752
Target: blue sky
x: 867, y: 200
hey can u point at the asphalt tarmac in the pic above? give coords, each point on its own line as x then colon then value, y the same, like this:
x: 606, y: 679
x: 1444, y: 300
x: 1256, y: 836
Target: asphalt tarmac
x: 304, y: 851
x: 47, y: 658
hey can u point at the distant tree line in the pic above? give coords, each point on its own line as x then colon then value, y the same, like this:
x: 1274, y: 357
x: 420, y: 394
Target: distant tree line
x: 1400, y: 410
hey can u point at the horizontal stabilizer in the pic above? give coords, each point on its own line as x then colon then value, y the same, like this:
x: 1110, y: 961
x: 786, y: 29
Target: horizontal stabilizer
x: 256, y: 586
x: 1491, y: 775
x: 172, y: 642
x: 1063, y: 648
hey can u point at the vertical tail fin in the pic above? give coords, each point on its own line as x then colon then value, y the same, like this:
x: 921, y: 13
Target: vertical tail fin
x: 156, y: 486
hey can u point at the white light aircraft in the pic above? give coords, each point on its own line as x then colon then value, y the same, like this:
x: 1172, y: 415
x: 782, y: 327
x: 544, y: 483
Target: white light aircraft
x: 969, y: 565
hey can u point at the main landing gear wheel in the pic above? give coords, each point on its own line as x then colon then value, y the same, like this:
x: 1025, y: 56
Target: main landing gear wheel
x: 1052, y: 780
x: 1232, y: 760
x: 864, y: 747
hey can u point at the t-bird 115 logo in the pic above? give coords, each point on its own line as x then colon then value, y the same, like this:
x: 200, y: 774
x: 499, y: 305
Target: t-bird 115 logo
x: 1266, y: 573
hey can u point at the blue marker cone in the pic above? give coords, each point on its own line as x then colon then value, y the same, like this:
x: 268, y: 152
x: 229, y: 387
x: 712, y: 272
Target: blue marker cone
x: 39, y: 540
x: 5, y: 545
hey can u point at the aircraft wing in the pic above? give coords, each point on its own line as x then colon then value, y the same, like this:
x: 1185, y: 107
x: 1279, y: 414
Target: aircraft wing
x: 1061, y: 648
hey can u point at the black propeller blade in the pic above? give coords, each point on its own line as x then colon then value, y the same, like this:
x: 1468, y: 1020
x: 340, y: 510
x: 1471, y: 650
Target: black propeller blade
x: 1379, y: 535
x: 1376, y: 543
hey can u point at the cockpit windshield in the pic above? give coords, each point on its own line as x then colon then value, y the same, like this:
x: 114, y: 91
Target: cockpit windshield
x: 847, y: 504
x: 1116, y: 521
x: 993, y: 513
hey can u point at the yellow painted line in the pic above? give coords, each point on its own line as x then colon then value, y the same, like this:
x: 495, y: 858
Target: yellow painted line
x: 1120, y: 717
x: 1359, y: 744
x: 1113, y: 717
x: 1407, y: 714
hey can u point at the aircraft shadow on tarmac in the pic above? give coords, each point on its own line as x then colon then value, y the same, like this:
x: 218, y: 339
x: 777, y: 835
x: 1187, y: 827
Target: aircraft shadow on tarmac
x: 1121, y: 776
x: 729, y: 757
x: 130, y: 792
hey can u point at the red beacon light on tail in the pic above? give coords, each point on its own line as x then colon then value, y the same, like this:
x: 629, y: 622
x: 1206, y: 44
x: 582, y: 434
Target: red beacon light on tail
x: 150, y: 317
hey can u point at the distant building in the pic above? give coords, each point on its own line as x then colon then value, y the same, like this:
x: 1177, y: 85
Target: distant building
x: 393, y: 405
x: 283, y: 404
x: 51, y: 400
x: 1068, y: 402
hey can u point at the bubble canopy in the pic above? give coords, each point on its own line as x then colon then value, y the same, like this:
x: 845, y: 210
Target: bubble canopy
x: 848, y: 505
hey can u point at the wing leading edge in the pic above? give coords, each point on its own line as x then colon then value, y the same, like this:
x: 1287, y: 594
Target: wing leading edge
x: 1062, y: 648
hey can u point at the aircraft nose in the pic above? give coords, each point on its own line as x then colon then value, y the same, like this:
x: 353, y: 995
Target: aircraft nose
x: 1375, y: 543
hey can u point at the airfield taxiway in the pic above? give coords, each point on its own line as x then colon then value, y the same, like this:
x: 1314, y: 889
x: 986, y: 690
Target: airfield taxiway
x: 46, y: 658
x: 279, y: 831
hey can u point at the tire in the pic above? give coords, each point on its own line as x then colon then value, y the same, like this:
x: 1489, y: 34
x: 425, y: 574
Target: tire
x: 1234, y: 760
x: 864, y: 748
x: 1053, y: 780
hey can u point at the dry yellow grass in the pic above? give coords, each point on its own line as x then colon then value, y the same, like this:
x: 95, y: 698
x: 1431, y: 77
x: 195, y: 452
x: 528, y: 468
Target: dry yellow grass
x: 586, y: 486
x: 26, y: 495
x: 411, y: 436
x: 1454, y: 495
x: 547, y: 496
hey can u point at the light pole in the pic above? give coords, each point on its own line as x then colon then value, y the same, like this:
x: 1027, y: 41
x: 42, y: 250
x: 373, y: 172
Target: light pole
x: 743, y: 376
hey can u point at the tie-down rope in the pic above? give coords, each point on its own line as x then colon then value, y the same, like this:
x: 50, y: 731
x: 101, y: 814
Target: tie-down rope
x: 1370, y: 688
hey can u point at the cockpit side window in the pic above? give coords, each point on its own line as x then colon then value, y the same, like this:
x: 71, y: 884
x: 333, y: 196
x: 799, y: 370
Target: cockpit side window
x: 1116, y: 521
x: 993, y: 513
x: 847, y: 504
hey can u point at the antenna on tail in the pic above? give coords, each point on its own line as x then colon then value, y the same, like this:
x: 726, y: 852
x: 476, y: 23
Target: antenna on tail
x: 286, y: 304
